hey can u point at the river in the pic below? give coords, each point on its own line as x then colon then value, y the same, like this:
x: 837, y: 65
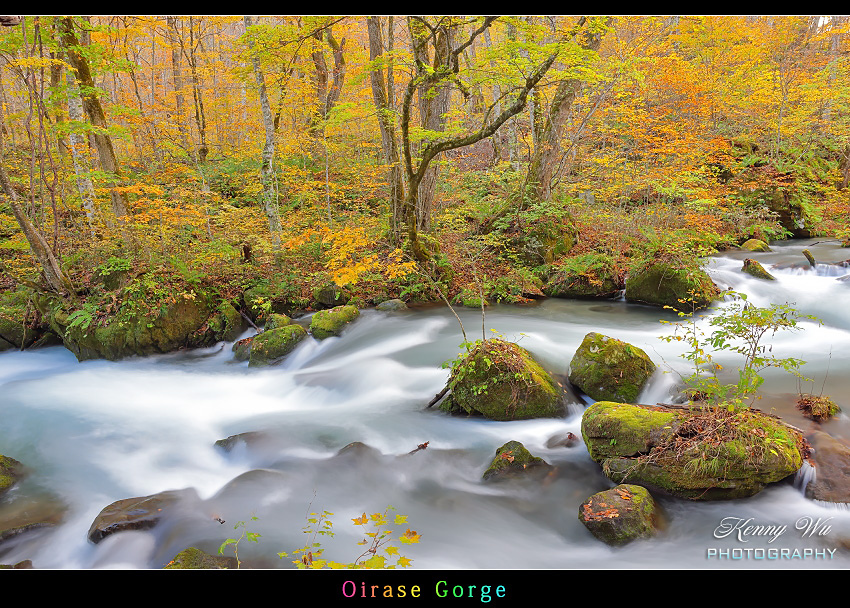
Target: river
x: 99, y: 431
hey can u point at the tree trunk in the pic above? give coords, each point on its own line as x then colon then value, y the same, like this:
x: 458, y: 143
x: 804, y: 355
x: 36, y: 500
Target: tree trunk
x: 267, y: 171
x: 92, y: 107
x: 545, y: 156
x: 177, y: 81
x: 78, y: 147
x: 389, y: 142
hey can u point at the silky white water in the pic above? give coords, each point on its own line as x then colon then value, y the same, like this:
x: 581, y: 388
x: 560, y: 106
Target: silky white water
x: 95, y: 432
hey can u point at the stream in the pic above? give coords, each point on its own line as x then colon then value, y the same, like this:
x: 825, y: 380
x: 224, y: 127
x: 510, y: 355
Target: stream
x: 98, y: 431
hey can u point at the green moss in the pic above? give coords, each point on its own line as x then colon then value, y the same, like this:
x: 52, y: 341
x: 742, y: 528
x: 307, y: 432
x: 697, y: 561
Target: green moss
x: 621, y: 429
x: 276, y: 321
x: 620, y: 515
x: 608, y: 369
x: 275, y: 343
x: 10, y: 472
x: 195, y: 559
x: 584, y: 276
x: 327, y: 323
x: 663, y: 285
x: 502, y: 381
x: 755, y: 245
x: 755, y: 269
x: 513, y: 459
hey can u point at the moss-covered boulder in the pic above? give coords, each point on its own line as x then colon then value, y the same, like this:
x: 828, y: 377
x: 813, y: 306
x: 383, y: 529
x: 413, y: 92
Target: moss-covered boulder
x: 140, y: 513
x: 621, y: 515
x: 501, y: 381
x: 273, y: 344
x: 327, y: 323
x: 699, y: 454
x: 330, y: 294
x: 10, y: 472
x: 607, y: 369
x: 391, y: 305
x: 21, y: 326
x: 755, y: 245
x: 584, y: 276
x: 195, y: 559
x: 155, y: 316
x: 276, y: 321
x: 819, y: 408
x: 661, y: 284
x: 513, y: 460
x: 753, y: 268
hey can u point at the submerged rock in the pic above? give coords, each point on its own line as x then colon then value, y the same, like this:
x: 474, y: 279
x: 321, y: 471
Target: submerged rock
x: 392, y: 305
x: 327, y: 323
x: 502, y: 381
x: 514, y: 460
x: 620, y: 515
x: 661, y: 284
x: 832, y: 469
x: 700, y: 454
x: 141, y: 513
x: 607, y: 369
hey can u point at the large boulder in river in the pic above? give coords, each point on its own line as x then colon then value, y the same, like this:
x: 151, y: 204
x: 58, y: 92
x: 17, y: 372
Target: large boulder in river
x: 10, y: 472
x: 607, y: 369
x: 621, y: 514
x: 327, y: 323
x: 584, y: 276
x: 756, y: 245
x: 753, y: 268
x: 662, y: 284
x: 141, y: 513
x: 502, y: 381
x: 272, y: 344
x: 700, y: 454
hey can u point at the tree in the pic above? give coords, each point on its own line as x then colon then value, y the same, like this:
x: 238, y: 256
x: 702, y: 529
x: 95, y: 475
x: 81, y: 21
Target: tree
x: 267, y: 170
x: 94, y: 110
x: 431, y: 81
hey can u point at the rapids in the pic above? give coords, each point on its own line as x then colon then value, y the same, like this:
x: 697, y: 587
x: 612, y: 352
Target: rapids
x: 98, y: 431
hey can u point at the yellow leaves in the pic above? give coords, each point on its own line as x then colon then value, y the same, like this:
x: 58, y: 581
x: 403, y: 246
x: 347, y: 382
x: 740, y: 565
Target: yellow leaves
x: 360, y: 521
x: 410, y: 537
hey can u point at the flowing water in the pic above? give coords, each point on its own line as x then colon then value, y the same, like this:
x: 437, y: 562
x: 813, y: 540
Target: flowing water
x: 98, y: 431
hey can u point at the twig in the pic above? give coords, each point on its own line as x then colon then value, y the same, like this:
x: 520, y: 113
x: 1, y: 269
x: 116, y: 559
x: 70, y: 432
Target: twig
x: 438, y: 396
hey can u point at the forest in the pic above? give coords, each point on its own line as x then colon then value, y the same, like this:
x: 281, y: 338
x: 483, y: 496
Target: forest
x: 169, y: 183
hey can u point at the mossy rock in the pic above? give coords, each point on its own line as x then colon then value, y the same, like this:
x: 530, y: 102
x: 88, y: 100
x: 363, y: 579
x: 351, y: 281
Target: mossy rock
x: 330, y: 294
x: 391, y: 305
x: 242, y: 349
x: 19, y: 327
x: 11, y: 471
x: 327, y: 323
x: 607, y: 369
x: 273, y: 344
x: 502, y: 381
x: 756, y: 245
x: 584, y: 277
x: 753, y: 268
x: 661, y: 284
x: 190, y: 319
x: 621, y: 515
x: 195, y: 559
x: 698, y: 454
x: 276, y: 321
x: 513, y: 460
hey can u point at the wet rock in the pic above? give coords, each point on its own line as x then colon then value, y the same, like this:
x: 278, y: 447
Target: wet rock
x: 327, y: 323
x: 247, y: 438
x: 330, y: 295
x: 195, y: 559
x: 273, y: 344
x: 392, y: 305
x: 661, y: 284
x: 242, y: 349
x: 513, y: 460
x: 817, y: 407
x: 755, y: 269
x: 141, y: 513
x: 832, y: 466
x: 24, y: 565
x: 566, y: 440
x: 756, y: 245
x: 11, y: 471
x: 700, y: 454
x: 502, y: 381
x: 620, y: 515
x: 607, y: 369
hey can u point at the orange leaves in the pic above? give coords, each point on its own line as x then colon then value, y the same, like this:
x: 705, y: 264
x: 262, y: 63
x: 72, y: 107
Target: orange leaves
x: 606, y: 513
